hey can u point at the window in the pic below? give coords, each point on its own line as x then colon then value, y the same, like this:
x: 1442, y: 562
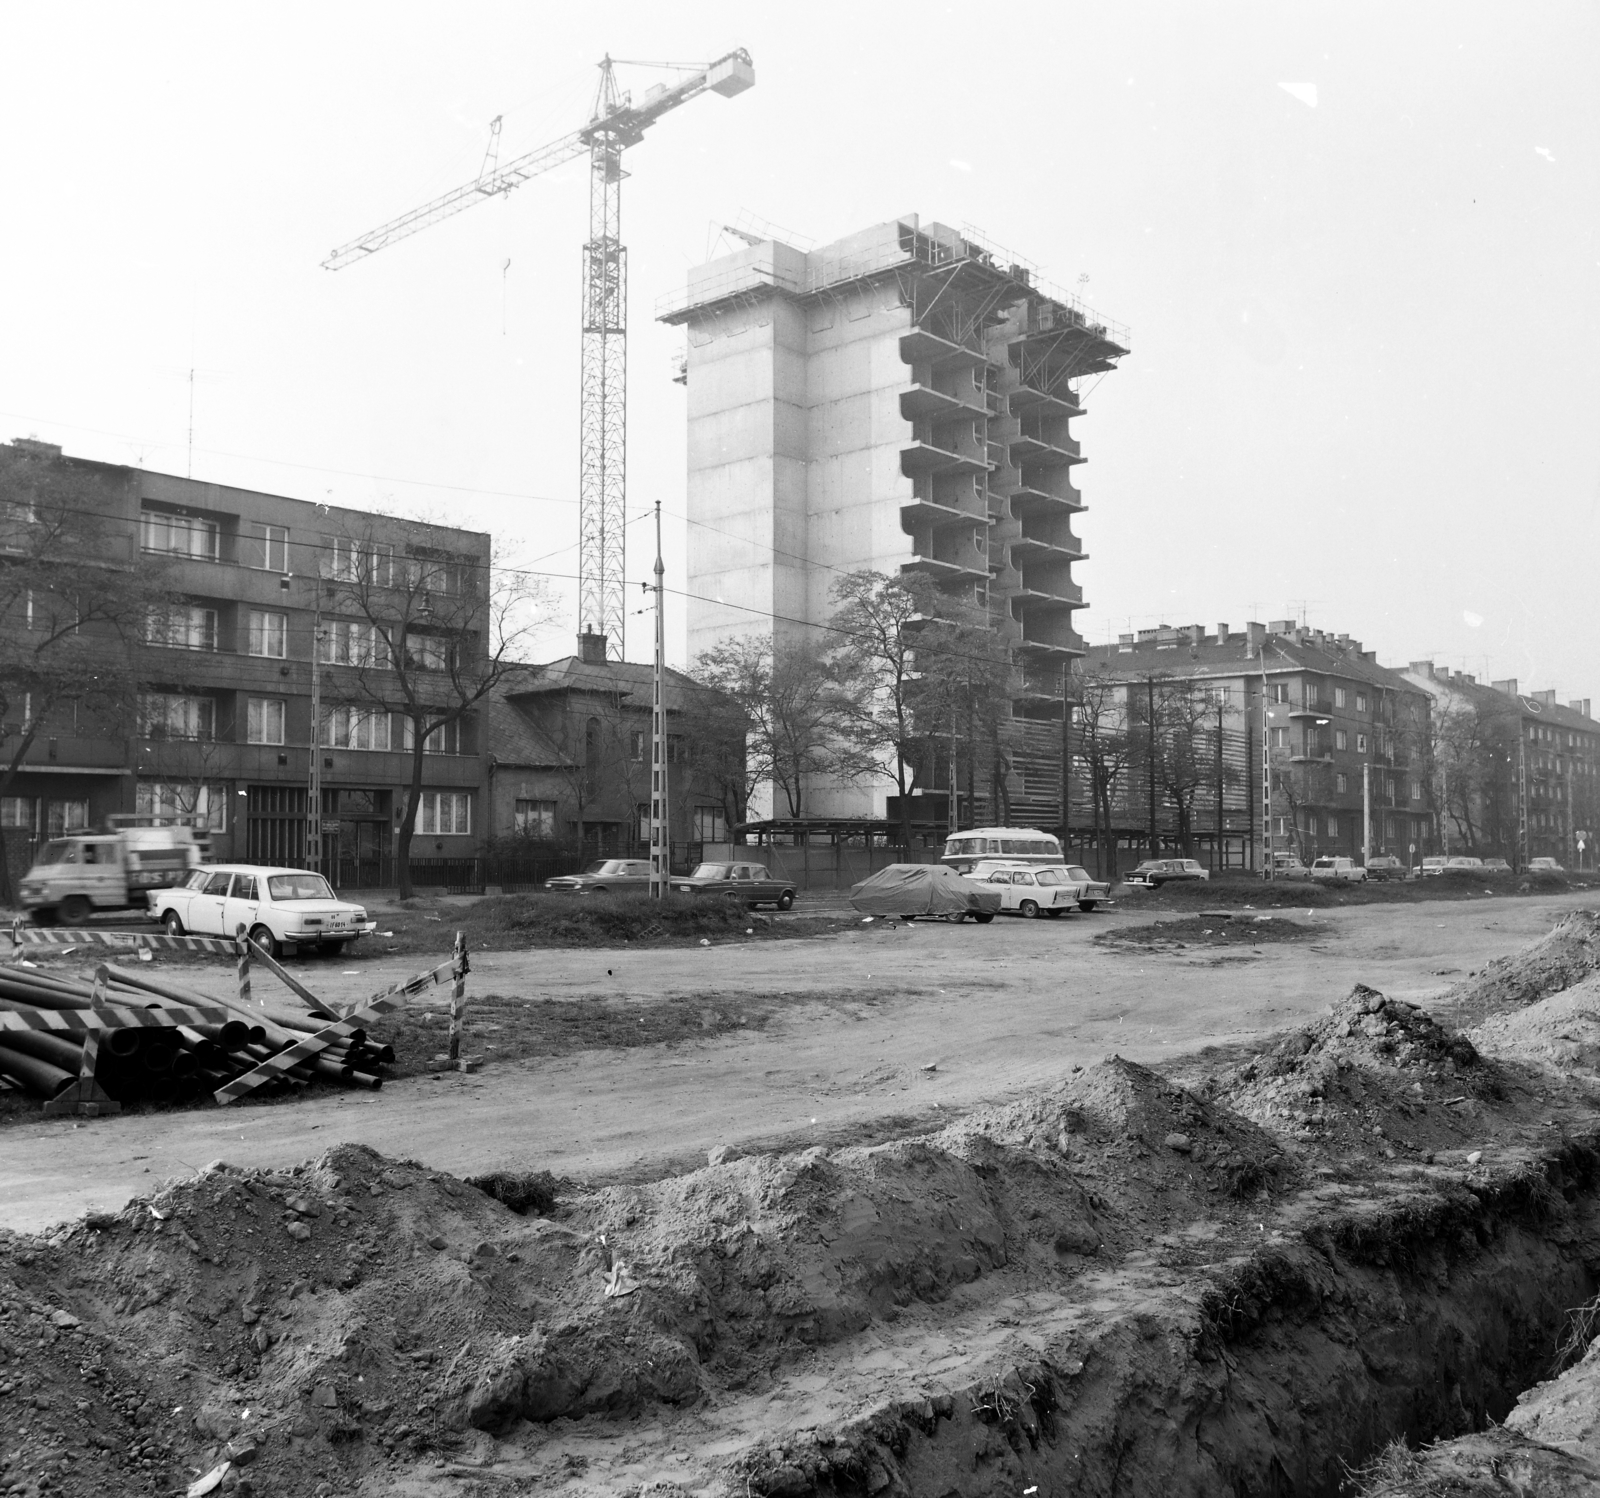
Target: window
x: 1361, y: 702
x: 244, y: 887
x: 264, y: 720
x: 353, y: 642
x: 370, y: 563
x: 1341, y: 740
x: 434, y: 571
x: 265, y: 546
x: 677, y: 749
x: 637, y: 744
x: 445, y: 739
x: 16, y: 811
x: 535, y: 819
x: 642, y: 808
x: 1361, y: 743
x: 1333, y: 826
x: 1278, y: 692
x: 1279, y: 737
x: 178, y: 535
x: 1338, y: 696
x: 1341, y: 783
x: 162, y: 798
x: 182, y: 626
x: 710, y: 825
x: 355, y: 728
x: 427, y: 652
x: 62, y: 817
x: 441, y: 812
x: 167, y: 715
x: 269, y: 633
x: 1280, y: 826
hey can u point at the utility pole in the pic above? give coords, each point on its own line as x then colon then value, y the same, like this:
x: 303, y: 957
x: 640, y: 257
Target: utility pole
x: 314, y: 774
x: 1221, y: 859
x: 1266, y: 774
x: 1150, y: 710
x: 1366, y: 811
x: 660, y: 828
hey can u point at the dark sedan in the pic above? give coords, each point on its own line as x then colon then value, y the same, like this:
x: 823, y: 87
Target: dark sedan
x: 1154, y: 872
x: 613, y: 875
x: 749, y: 882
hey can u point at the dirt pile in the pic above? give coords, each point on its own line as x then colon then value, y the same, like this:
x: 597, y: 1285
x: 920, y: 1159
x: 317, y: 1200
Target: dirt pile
x: 1563, y: 958
x: 1562, y: 1031
x: 1217, y: 930
x: 1376, y: 1075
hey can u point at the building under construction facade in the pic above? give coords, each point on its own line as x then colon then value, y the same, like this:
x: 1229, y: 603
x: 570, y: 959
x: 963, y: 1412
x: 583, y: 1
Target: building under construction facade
x: 900, y: 401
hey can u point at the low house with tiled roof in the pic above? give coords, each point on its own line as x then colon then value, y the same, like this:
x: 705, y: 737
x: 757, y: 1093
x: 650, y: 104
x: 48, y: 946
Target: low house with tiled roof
x: 569, y: 758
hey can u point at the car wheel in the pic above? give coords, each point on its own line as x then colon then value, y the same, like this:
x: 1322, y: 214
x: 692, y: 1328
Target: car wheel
x: 984, y: 917
x: 786, y: 900
x: 75, y: 910
x: 264, y: 939
x: 1028, y: 909
x: 1087, y: 904
x: 172, y: 922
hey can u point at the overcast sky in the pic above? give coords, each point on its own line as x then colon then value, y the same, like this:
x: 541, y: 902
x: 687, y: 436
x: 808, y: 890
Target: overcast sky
x: 1355, y: 245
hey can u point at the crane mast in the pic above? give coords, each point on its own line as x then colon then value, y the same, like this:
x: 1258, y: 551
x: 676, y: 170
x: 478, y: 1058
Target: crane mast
x: 615, y: 124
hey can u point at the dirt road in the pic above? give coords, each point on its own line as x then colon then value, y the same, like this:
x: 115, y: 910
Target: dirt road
x: 997, y: 1009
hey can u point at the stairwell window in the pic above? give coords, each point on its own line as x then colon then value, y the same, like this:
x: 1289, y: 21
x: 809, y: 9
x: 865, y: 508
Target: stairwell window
x: 265, y: 720
x: 182, y: 626
x: 445, y: 812
x: 173, y: 716
x: 269, y: 633
x: 178, y: 535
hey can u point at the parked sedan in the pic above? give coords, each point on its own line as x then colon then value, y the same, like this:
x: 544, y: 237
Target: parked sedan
x: 279, y: 908
x: 749, y: 882
x: 1031, y: 892
x: 1091, y: 891
x: 1154, y: 872
x: 1496, y: 866
x: 1545, y: 866
x: 605, y: 876
x: 1338, y: 871
x: 1433, y: 865
x: 1385, y: 866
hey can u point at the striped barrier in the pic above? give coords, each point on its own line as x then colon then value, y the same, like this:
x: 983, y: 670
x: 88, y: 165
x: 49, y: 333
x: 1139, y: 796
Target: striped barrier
x: 379, y: 1004
x: 57, y: 936
x: 81, y: 1021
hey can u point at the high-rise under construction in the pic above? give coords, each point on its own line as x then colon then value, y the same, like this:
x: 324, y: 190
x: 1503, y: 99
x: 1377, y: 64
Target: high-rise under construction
x: 900, y: 400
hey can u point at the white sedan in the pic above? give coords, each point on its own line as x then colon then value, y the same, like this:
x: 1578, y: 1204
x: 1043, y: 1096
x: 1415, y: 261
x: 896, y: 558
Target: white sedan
x: 281, y: 909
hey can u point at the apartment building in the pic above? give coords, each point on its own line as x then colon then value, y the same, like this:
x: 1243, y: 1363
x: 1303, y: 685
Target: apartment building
x: 1173, y: 714
x: 1515, y: 774
x: 219, y: 719
x: 902, y: 401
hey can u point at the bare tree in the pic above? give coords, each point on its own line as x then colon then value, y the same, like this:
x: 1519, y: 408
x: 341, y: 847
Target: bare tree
x: 1185, y: 754
x: 791, y: 706
x: 424, y: 635
x: 877, y: 621
x: 1105, y: 747
x: 73, y: 612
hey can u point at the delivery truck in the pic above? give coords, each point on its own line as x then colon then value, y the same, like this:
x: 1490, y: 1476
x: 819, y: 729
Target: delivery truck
x: 82, y: 872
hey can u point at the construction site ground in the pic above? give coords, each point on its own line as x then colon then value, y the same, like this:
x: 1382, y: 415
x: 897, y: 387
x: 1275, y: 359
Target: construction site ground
x: 909, y: 1209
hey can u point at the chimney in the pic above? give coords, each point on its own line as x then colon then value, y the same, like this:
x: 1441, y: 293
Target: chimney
x: 1222, y: 634
x: 37, y: 448
x: 1197, y: 634
x: 1280, y: 626
x: 1580, y: 705
x: 1509, y: 686
x: 1124, y: 643
x: 1422, y: 668
x: 1547, y: 698
x: 592, y: 648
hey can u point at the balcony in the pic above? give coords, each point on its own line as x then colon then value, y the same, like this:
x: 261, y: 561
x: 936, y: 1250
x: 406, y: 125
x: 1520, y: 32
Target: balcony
x: 1027, y: 500
x: 1028, y: 548
x: 64, y: 755
x: 1316, y: 708
x: 924, y: 458
x: 949, y: 572
x: 925, y: 403
x: 922, y: 347
x: 1029, y: 398
x: 921, y: 511
x: 1038, y: 599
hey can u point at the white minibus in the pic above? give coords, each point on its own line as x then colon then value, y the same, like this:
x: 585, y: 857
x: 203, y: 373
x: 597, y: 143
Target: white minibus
x: 1014, y: 844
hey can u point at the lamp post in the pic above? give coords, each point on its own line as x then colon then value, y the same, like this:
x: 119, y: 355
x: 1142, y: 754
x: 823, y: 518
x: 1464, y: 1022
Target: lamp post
x: 660, y: 829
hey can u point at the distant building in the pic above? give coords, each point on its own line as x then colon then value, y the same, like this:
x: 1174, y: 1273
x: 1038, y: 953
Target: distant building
x: 901, y: 401
x: 1171, y: 720
x: 220, y: 726
x: 569, y: 760
x: 1515, y: 775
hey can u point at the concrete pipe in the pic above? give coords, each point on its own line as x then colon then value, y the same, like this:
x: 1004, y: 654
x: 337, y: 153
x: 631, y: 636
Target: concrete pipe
x: 39, y: 1077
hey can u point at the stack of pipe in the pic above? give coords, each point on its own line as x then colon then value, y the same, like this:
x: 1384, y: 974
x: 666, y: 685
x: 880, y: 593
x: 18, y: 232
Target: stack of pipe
x: 167, y: 1062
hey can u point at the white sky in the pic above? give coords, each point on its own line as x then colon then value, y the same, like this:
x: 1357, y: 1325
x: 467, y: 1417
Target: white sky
x: 1366, y: 334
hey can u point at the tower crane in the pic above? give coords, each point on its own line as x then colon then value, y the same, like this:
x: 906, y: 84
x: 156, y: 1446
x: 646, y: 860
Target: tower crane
x: 615, y: 123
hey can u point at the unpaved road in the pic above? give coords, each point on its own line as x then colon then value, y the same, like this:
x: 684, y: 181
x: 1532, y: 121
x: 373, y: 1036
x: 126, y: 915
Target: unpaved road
x: 997, y: 1008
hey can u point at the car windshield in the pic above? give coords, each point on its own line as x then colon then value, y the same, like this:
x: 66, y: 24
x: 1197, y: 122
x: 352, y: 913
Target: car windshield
x: 1052, y: 876
x: 1147, y: 865
x: 58, y: 852
x: 711, y: 871
x: 604, y: 866
x: 1323, y: 863
x: 1078, y: 874
x: 299, y: 887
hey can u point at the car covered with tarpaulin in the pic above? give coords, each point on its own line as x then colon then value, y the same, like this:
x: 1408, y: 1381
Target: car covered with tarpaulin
x: 912, y: 889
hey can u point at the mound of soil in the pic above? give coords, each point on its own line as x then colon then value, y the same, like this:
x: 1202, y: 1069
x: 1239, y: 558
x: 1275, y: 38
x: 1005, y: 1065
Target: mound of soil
x: 1562, y: 1031
x: 1212, y: 931
x: 1495, y: 1463
x: 1376, y: 1074
x: 1566, y: 956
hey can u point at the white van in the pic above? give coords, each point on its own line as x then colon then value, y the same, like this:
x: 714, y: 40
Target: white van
x: 962, y: 850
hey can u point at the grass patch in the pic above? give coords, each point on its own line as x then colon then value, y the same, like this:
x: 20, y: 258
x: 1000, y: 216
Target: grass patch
x: 514, y: 922
x: 1306, y: 894
x: 1201, y: 931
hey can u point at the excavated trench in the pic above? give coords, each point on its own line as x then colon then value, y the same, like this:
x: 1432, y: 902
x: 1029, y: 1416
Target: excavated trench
x: 1206, y: 1282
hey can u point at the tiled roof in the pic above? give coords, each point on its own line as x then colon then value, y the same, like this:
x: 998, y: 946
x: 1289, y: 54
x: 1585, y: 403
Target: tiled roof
x: 573, y: 674
x: 1206, y: 658
x: 513, y: 739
